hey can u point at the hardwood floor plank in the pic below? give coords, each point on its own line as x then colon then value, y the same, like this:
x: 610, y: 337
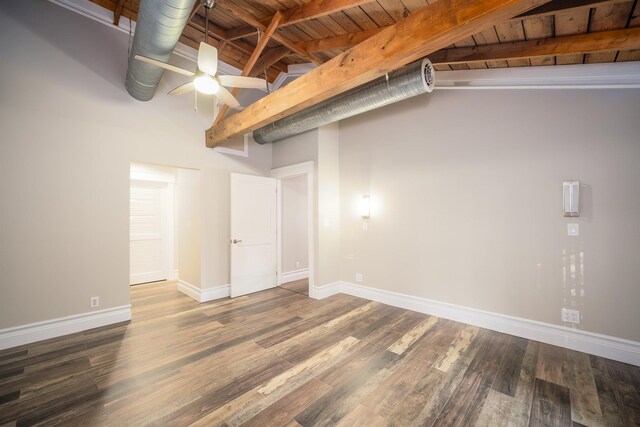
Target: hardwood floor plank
x: 412, y: 336
x: 551, y: 405
x: 496, y: 411
x: 465, y: 404
x: 5, y: 398
x: 552, y: 365
x: 606, y: 392
x: 523, y: 398
x: 585, y: 404
x: 348, y: 393
x: 626, y: 383
x: 461, y: 343
x: 283, y: 410
x: 508, y: 375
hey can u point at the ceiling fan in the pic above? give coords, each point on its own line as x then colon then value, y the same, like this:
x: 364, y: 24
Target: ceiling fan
x: 205, y: 79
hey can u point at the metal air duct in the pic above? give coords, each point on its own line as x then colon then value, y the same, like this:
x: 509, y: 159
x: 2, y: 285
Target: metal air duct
x: 159, y: 26
x: 414, y: 79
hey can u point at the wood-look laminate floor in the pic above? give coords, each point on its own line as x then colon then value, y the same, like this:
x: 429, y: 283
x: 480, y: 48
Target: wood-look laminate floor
x: 278, y: 358
x: 300, y: 286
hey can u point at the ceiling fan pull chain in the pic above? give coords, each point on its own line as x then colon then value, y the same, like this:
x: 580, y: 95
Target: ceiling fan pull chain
x: 386, y: 76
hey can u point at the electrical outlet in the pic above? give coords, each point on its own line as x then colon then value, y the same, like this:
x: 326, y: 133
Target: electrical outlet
x: 95, y: 302
x: 570, y: 316
x: 297, y: 264
x: 359, y: 277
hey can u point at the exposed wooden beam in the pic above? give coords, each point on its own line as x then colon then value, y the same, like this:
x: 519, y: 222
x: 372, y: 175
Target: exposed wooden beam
x: 430, y: 29
x: 241, y: 32
x: 349, y: 40
x: 295, y: 15
x: 317, y: 9
x: 556, y: 6
x: 604, y: 41
x: 269, y: 57
x: 342, y: 41
x: 249, y: 19
x: 262, y: 43
x: 117, y: 12
x: 195, y: 9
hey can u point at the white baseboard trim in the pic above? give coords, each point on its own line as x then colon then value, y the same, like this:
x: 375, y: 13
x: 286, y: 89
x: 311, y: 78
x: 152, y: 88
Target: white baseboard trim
x: 203, y: 295
x: 324, y: 291
x: 290, y: 276
x: 173, y: 275
x: 588, y: 342
x: 33, y: 332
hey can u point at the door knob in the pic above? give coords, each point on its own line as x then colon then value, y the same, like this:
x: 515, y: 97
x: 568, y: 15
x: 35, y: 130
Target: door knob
x: 236, y: 241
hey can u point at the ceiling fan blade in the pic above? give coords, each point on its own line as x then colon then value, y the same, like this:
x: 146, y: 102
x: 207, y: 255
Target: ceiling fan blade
x: 226, y: 97
x: 242, y: 82
x: 164, y: 65
x: 187, y: 87
x: 207, y: 58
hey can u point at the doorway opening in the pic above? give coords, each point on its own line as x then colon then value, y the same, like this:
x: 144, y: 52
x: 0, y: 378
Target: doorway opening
x: 295, y: 234
x: 164, y: 224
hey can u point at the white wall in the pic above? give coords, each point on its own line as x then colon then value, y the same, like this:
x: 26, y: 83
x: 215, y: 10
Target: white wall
x: 295, y: 246
x: 466, y: 191
x: 69, y: 134
x: 189, y: 228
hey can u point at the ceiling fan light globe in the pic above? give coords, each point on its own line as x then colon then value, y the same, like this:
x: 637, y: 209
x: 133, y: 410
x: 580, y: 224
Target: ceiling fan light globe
x: 206, y: 84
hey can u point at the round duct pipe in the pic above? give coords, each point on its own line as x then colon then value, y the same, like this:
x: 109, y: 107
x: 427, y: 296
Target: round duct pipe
x: 158, y: 29
x: 414, y: 79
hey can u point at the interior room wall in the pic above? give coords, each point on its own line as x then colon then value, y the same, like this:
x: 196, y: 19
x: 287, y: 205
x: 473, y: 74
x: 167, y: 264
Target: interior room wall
x: 295, y: 245
x: 466, y: 190
x: 189, y: 230
x: 70, y: 132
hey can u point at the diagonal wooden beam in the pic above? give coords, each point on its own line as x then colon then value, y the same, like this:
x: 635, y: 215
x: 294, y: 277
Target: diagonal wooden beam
x: 430, y: 29
x: 117, y: 12
x: 241, y: 32
x: 269, y: 57
x: 195, y: 9
x: 317, y: 9
x: 604, y: 41
x: 249, y: 19
x: 262, y: 43
x: 342, y: 41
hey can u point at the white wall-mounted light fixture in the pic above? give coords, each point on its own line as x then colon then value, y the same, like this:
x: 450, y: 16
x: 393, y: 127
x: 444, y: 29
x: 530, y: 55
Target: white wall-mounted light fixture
x: 365, y: 207
x: 571, y: 198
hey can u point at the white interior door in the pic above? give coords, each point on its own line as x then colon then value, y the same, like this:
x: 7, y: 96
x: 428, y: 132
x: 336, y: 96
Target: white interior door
x: 148, y: 239
x: 253, y: 234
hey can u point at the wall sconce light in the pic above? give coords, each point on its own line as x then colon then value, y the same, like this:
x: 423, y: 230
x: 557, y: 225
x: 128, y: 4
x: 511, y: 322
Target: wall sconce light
x: 571, y: 198
x: 365, y: 207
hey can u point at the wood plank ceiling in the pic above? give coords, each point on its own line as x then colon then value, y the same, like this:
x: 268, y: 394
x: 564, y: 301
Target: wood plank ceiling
x: 316, y: 31
x: 264, y: 37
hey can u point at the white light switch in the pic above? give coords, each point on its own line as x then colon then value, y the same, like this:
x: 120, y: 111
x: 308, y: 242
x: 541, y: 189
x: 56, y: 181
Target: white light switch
x: 573, y: 229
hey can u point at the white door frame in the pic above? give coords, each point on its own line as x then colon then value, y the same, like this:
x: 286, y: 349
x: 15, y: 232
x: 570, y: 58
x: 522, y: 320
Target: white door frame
x: 308, y: 169
x: 166, y: 182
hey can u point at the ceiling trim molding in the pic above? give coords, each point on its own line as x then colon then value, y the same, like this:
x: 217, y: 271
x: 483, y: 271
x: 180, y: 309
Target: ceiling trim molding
x: 105, y: 17
x: 616, y: 75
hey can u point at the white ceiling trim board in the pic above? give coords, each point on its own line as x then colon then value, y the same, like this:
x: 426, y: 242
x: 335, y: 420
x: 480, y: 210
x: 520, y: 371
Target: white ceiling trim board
x: 617, y: 75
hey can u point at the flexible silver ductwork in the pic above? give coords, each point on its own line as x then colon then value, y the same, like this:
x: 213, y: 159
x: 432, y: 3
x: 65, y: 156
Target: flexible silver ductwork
x: 159, y: 25
x: 414, y: 79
